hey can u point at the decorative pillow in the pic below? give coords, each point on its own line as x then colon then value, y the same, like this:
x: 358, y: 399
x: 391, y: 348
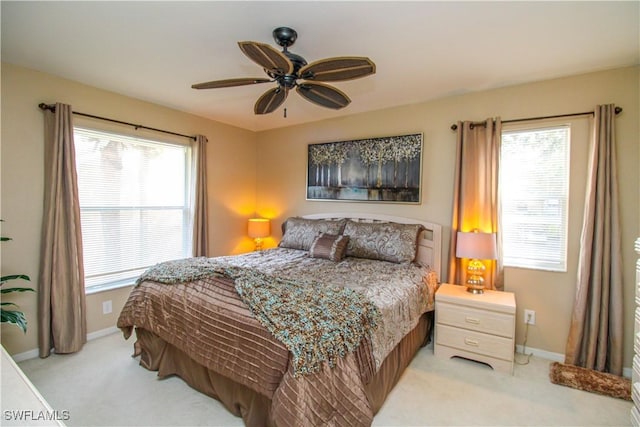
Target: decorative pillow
x: 299, y: 233
x: 329, y: 246
x: 385, y: 241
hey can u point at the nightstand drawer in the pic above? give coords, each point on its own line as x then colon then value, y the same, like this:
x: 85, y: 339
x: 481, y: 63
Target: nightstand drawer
x: 476, y: 320
x: 488, y: 345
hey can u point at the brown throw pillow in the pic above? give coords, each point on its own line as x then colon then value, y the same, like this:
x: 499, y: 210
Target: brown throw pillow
x: 329, y: 246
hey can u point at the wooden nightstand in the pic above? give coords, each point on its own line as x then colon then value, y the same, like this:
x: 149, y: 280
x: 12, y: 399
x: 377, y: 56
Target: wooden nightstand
x: 477, y: 327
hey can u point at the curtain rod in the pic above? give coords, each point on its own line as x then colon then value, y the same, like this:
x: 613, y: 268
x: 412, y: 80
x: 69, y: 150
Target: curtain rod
x: 618, y: 110
x: 52, y: 108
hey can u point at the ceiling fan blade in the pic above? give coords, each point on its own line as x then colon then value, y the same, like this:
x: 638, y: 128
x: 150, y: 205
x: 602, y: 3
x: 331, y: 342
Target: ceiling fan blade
x: 338, y: 69
x: 323, y: 95
x: 230, y: 83
x: 270, y: 100
x: 267, y: 57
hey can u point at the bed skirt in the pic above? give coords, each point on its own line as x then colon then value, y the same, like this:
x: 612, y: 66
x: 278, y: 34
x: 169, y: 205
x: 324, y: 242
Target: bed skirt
x: 255, y: 408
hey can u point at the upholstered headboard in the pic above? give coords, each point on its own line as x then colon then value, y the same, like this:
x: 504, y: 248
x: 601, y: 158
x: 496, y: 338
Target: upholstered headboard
x: 429, y: 241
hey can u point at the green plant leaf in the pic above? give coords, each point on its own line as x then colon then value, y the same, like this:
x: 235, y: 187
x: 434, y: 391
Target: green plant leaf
x: 8, y: 303
x: 9, y: 290
x: 14, y: 317
x: 14, y: 277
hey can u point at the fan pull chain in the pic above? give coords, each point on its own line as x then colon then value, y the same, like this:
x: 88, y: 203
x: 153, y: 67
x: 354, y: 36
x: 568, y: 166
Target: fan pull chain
x: 285, y: 113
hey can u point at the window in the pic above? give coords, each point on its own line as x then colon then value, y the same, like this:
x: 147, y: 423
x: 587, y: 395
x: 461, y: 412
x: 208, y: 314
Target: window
x: 134, y: 205
x: 534, y: 181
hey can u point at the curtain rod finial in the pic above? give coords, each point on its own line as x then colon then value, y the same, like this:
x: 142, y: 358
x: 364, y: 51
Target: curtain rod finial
x: 50, y: 107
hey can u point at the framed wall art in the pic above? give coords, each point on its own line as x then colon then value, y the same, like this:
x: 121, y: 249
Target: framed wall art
x: 386, y: 169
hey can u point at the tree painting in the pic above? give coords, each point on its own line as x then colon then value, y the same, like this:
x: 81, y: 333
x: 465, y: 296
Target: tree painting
x: 375, y: 169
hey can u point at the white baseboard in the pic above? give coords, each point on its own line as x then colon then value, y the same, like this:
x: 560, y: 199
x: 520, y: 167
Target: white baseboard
x: 32, y: 354
x: 21, y: 357
x: 557, y: 357
x: 102, y: 333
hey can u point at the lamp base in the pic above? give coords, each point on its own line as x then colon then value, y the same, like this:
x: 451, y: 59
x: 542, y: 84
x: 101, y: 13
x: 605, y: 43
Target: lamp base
x: 474, y: 289
x: 475, y: 281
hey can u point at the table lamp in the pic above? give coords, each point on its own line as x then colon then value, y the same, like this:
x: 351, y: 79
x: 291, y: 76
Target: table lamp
x: 258, y: 229
x: 476, y: 246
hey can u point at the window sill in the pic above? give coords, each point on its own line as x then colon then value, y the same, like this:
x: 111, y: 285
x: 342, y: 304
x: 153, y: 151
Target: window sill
x: 110, y: 287
x: 536, y: 268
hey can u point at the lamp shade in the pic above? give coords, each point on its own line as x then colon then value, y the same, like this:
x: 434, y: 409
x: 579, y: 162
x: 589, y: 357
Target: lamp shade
x: 476, y: 245
x: 259, y: 227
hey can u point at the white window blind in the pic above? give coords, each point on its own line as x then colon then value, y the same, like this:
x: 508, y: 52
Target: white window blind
x: 134, y: 205
x: 534, y: 181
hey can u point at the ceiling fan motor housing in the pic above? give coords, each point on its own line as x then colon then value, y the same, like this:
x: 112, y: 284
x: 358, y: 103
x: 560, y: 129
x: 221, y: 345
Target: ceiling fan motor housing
x: 286, y: 37
x: 297, y: 61
x: 287, y: 81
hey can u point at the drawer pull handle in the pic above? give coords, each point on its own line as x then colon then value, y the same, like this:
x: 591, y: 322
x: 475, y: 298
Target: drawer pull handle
x: 473, y: 320
x: 469, y: 341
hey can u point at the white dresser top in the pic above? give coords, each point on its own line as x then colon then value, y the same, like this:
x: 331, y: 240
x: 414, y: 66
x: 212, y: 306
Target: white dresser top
x: 500, y: 301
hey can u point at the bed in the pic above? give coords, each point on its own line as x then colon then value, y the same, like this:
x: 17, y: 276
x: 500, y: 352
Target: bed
x: 314, y: 332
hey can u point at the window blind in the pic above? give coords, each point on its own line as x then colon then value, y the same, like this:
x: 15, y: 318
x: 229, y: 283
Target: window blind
x: 534, y: 181
x: 134, y: 204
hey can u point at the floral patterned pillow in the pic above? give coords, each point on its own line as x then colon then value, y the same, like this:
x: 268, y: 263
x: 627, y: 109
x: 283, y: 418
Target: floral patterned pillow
x: 299, y: 233
x: 385, y: 241
x: 329, y: 246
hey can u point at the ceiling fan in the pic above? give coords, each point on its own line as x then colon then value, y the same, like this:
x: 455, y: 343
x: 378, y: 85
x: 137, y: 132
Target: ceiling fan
x: 289, y: 70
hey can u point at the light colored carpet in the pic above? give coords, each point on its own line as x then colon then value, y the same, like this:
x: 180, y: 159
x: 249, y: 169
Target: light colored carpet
x: 102, y: 385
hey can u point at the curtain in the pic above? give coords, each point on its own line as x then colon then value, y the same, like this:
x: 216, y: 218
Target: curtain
x: 62, y: 321
x: 595, y: 336
x: 200, y: 233
x: 476, y: 203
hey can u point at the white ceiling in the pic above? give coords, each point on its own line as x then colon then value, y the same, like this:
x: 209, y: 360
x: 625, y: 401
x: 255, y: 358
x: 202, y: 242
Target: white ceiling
x: 154, y: 51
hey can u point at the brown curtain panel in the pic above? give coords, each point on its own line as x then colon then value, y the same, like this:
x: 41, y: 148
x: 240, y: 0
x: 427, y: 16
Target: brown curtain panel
x: 62, y: 321
x: 595, y: 336
x: 476, y: 201
x: 200, y: 229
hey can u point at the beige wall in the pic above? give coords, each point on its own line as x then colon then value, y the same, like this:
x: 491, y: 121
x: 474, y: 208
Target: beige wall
x: 231, y: 160
x: 282, y: 176
x: 275, y: 187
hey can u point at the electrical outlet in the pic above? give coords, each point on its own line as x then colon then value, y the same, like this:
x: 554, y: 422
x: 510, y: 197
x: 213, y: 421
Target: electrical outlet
x: 530, y: 317
x: 107, y: 307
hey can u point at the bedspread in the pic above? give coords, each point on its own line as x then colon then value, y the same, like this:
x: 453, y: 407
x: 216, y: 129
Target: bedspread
x: 207, y: 319
x: 401, y: 292
x: 316, y: 321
